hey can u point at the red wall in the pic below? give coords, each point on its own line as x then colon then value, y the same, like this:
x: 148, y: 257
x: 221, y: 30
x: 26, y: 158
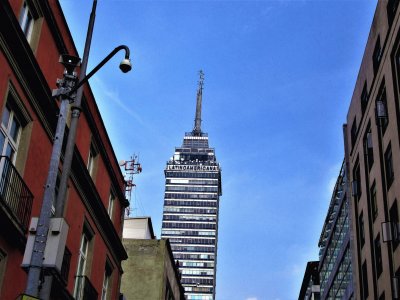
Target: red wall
x: 37, y: 162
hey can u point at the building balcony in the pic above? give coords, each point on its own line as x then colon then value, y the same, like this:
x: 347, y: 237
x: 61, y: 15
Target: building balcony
x: 84, y: 289
x: 15, y: 202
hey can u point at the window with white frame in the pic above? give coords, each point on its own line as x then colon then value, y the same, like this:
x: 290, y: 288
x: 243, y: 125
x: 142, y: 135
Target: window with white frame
x: 82, y: 265
x: 26, y: 21
x: 92, y: 160
x: 10, y: 131
x: 111, y: 202
x: 105, y: 291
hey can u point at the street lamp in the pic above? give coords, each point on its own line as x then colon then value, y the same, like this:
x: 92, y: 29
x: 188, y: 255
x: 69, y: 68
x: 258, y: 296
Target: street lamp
x: 125, y: 67
x: 69, y: 89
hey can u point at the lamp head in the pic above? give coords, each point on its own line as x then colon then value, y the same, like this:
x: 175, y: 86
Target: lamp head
x: 69, y: 62
x: 125, y: 65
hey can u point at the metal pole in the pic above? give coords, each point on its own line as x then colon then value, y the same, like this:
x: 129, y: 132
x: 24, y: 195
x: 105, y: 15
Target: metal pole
x: 35, y: 268
x: 75, y: 113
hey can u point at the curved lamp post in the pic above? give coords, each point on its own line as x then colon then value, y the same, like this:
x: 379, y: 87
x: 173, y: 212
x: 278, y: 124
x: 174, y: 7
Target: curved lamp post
x: 125, y: 67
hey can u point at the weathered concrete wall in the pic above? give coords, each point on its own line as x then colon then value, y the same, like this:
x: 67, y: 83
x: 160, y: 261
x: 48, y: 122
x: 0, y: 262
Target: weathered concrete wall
x: 143, y: 270
x: 150, y: 268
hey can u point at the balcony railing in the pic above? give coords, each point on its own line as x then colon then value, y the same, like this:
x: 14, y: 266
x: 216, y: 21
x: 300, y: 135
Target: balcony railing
x: 84, y: 290
x: 14, y: 193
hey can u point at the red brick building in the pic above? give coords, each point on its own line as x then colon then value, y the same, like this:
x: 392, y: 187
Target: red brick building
x: 33, y: 34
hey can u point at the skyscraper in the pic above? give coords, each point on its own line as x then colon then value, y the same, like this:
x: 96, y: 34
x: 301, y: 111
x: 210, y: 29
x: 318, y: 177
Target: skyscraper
x: 191, y: 206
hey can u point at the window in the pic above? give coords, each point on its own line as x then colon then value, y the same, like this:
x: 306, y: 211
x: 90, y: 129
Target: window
x: 394, y: 218
x: 362, y: 230
x: 26, y: 21
x: 391, y: 10
x: 353, y: 132
x: 356, y: 185
x: 382, y: 296
x: 10, y: 132
x: 389, y: 172
x: 374, y: 204
x: 364, y: 277
x: 364, y: 97
x: 31, y: 21
x: 369, y: 149
x: 3, y: 262
x: 106, y: 289
x: 92, y: 160
x: 381, y: 109
x: 83, y: 256
x: 111, y: 201
x: 15, y: 130
x: 83, y: 262
x: 377, y: 55
x: 378, y: 255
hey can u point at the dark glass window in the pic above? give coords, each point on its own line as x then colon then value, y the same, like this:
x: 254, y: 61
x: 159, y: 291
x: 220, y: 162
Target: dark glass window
x: 377, y: 55
x: 374, y: 203
x: 394, y: 218
x: 389, y: 172
x: 353, y: 132
x: 391, y: 10
x: 356, y: 186
x: 362, y: 230
x: 364, y: 277
x: 369, y: 149
x: 364, y: 97
x: 378, y: 255
x: 382, y: 296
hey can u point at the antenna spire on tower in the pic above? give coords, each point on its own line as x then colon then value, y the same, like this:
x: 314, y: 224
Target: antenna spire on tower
x: 197, y: 120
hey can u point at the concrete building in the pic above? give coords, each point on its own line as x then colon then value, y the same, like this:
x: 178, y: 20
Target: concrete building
x: 150, y: 271
x: 191, y: 208
x: 138, y: 228
x: 33, y: 34
x: 310, y: 289
x: 372, y: 154
x: 335, y: 267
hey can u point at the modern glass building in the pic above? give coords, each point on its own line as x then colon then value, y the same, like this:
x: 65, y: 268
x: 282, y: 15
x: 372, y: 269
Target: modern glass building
x: 191, y: 205
x: 336, y: 279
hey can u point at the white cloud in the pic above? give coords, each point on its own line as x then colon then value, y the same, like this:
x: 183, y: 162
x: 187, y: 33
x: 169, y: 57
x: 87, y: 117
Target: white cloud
x: 251, y: 298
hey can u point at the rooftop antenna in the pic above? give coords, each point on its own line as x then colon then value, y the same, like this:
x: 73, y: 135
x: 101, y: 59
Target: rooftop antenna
x: 131, y: 167
x: 197, y: 121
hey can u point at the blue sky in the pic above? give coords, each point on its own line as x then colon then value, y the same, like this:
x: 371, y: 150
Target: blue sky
x: 279, y: 76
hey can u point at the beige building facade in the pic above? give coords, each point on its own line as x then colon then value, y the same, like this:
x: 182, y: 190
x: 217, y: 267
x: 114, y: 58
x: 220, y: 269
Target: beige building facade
x: 372, y: 152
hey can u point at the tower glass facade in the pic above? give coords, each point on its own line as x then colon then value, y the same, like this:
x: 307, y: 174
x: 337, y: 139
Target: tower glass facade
x: 190, y: 217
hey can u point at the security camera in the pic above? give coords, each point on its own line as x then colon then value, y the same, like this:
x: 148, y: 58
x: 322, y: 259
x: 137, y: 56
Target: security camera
x: 125, y: 65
